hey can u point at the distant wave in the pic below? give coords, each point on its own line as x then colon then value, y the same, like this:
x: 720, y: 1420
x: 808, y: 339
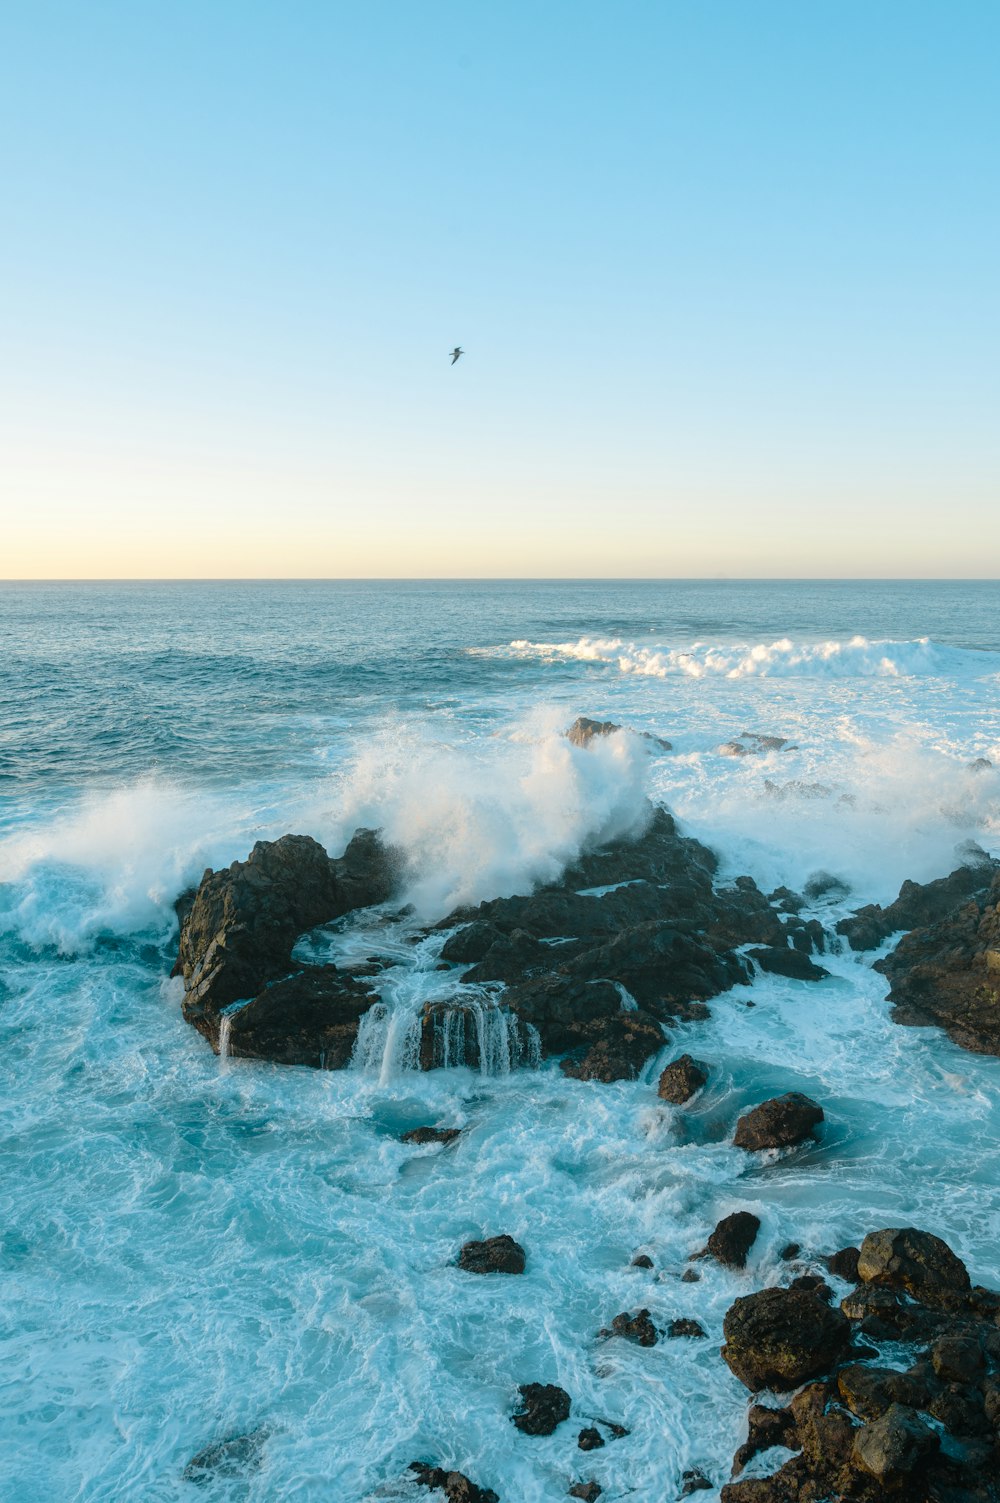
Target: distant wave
x: 856, y: 658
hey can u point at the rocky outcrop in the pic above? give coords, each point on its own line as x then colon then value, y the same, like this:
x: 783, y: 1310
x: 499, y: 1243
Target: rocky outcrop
x: 455, y: 1485
x: 681, y: 1080
x: 927, y: 1434
x: 422, y: 1135
x: 920, y: 904
x: 753, y: 744
x: 614, y: 1048
x: 733, y: 1238
x: 236, y: 943
x: 544, y: 1407
x: 780, y: 960
x: 778, y: 1123
x: 494, y: 1255
x: 584, y: 730
x: 947, y: 973
x: 638, y: 1328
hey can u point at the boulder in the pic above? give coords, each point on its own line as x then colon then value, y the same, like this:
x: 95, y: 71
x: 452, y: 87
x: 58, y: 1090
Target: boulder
x: 733, y: 1238
x: 766, y: 1428
x: 614, y: 1048
x: 309, y: 1018
x: 782, y: 961
x: 894, y: 1445
x: 920, y: 904
x: 869, y: 1391
x: 681, y: 1079
x: 779, y: 1338
x: 844, y: 1264
x: 590, y: 1439
x: 778, y: 1123
x: 456, y: 1487
x: 694, y: 1481
x: 918, y: 1262
x: 588, y: 1491
x: 638, y: 1328
x: 494, y: 1255
x: 421, y: 1135
x: 685, y: 1328
x: 544, y: 1406
x: 584, y: 730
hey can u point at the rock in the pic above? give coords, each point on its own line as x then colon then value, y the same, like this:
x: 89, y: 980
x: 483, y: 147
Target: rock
x: 919, y: 904
x: 733, y: 1238
x: 789, y: 1251
x: 236, y: 1456
x: 825, y: 885
x: 690, y: 1276
x: 693, y: 1481
x: 238, y: 934
x: 642, y: 1260
x: 423, y: 1135
x: 456, y: 1487
x: 545, y: 1406
x: 958, y: 1359
x: 788, y: 962
x: 309, y: 1018
x: 685, y: 1327
x: 616, y: 1048
x: 590, y: 1439
x: 681, y: 1079
x: 778, y: 1338
x: 813, y: 1284
x: 870, y: 1391
x: 844, y: 1264
x: 638, y: 1328
x: 767, y: 1428
x: 778, y: 1123
x: 494, y: 1255
x: 583, y: 730
x: 948, y: 972
x: 753, y: 744
x: 917, y: 1262
x: 893, y: 1445
x: 452, y: 1033
x: 589, y: 1491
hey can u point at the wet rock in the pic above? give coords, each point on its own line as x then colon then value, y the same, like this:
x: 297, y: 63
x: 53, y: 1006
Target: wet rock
x: 309, y: 1018
x: 642, y: 1260
x: 681, y: 1079
x: 690, y: 1276
x: 753, y: 744
x: 614, y: 1048
x: 423, y: 1135
x: 471, y: 943
x: 236, y: 1456
x: 638, y: 1328
x: 919, y: 904
x: 825, y: 885
x: 778, y: 1338
x: 893, y: 1445
x: 494, y: 1255
x: 454, y: 1033
x: 683, y: 1327
x: 545, y: 1406
x: 778, y: 1123
x: 584, y: 730
x: 870, y: 1391
x: 456, y: 1487
x: 788, y: 962
x: 789, y: 1251
x: 590, y: 1439
x: 958, y: 1359
x: 589, y: 1491
x: 844, y: 1264
x: 733, y: 1238
x: 693, y: 1481
x: 917, y: 1262
x: 766, y: 1428
x: 811, y: 1283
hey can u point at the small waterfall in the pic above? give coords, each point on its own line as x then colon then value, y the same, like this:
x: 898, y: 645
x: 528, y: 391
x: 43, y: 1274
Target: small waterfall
x: 225, y: 1030
x: 466, y: 1031
x: 629, y: 1004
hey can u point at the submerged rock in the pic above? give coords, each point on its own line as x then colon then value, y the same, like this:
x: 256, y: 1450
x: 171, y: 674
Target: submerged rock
x: 423, y: 1135
x: 545, y: 1406
x: 588, y: 1491
x: 455, y: 1485
x: 494, y: 1255
x: 236, y: 1456
x: 778, y: 1123
x: 638, y: 1328
x: 681, y: 1079
x: 590, y: 1439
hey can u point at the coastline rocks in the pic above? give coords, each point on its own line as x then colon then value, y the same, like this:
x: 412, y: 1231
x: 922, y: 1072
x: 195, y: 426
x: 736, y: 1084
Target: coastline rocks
x: 793, y: 963
x: 309, y: 1018
x: 588, y: 1491
x: 493, y: 1255
x: 421, y: 1135
x: 778, y: 1123
x: 779, y: 1338
x: 684, y: 1327
x: 753, y: 744
x: 614, y: 1048
x: 590, y: 1439
x: 681, y: 1080
x: 844, y: 1264
x: 455, y: 1485
x: 892, y: 1446
x: 733, y: 1238
x: 584, y: 730
x: 638, y: 1328
x: 916, y: 1262
x: 545, y: 1406
x: 919, y: 903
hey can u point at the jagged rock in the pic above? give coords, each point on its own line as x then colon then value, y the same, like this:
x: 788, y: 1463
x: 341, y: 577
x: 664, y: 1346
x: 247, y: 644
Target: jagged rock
x: 767, y: 1428
x: 779, y: 1337
x: 789, y: 1251
x: 958, y: 1359
x: 545, y: 1406
x: 684, y: 1327
x: 309, y: 1018
x: 494, y: 1255
x: 813, y: 1284
x: 948, y: 972
x: 615, y: 1048
x: 583, y: 730
x: 638, y: 1328
x: 918, y: 1262
x: 753, y: 744
x: 423, y: 1135
x: 919, y: 904
x: 893, y: 1445
x: 236, y: 1456
x: 589, y: 1491
x: 844, y: 1264
x: 733, y: 1238
x: 693, y: 1481
x: 642, y: 1260
x: 590, y: 1439
x: 870, y: 1391
x: 788, y: 962
x: 681, y: 1079
x: 456, y: 1487
x: 778, y: 1123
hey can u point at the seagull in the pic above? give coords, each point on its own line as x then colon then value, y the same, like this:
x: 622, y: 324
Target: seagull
x: 455, y: 353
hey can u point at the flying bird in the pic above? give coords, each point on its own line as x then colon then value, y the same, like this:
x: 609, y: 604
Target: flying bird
x: 455, y: 353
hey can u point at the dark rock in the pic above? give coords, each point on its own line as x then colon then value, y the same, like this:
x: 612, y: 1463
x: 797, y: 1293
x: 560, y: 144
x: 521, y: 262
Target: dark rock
x: 236, y: 1456
x: 753, y: 744
x: 615, y: 1048
x: 451, y: 1034
x: 590, y: 1439
x: 778, y: 1338
x: 494, y: 1255
x: 309, y: 1018
x: 690, y: 1276
x: 958, y: 1359
x: 431, y: 1135
x: 788, y: 962
x: 693, y: 1481
x: 471, y: 943
x: 825, y: 885
x: 893, y: 1445
x: 545, y: 1406
x: 870, y: 1391
x: 583, y: 730
x: 642, y: 1260
x: 789, y: 1251
x: 844, y: 1264
x: 811, y: 1283
x: 733, y: 1238
x: 589, y: 1491
x: 685, y: 1327
x: 638, y: 1328
x: 456, y: 1487
x: 778, y: 1123
x: 919, y: 904
x: 785, y: 899
x: 917, y: 1262
x: 681, y: 1079
x: 767, y: 1428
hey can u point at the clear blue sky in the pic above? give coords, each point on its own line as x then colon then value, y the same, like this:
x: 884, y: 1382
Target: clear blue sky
x: 726, y: 272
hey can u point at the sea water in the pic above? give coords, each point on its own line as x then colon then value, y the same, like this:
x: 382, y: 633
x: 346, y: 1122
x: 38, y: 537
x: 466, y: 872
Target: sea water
x: 193, y: 1249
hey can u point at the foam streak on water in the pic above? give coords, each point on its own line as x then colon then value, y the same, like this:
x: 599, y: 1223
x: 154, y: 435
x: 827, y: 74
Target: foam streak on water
x: 192, y: 1251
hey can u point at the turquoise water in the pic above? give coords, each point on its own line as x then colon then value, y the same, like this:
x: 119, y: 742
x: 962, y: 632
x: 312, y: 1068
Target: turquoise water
x: 193, y: 1248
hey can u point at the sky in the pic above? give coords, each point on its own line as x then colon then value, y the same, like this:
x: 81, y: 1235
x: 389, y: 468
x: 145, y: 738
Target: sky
x: 725, y: 272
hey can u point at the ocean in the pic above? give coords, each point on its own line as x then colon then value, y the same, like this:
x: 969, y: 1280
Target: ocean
x: 194, y: 1248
